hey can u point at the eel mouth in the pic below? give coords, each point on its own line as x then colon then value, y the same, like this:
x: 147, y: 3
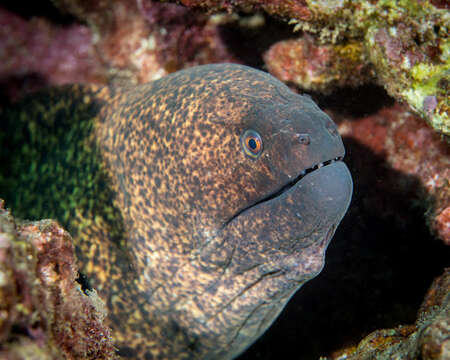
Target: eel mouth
x: 286, y: 187
x: 293, y: 182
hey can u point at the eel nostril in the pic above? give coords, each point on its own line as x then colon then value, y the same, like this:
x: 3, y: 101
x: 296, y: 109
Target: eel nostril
x: 303, y: 139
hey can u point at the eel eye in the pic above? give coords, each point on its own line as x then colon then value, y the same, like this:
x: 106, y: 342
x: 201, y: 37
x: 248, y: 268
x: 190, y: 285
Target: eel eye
x: 252, y: 143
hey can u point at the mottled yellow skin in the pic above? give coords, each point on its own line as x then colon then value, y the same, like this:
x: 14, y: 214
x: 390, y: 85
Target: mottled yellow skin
x: 195, y: 246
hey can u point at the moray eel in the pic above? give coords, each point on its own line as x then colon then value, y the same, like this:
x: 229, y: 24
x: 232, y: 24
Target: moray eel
x: 198, y: 203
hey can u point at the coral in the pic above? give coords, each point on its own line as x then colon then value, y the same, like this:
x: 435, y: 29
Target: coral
x: 434, y: 317
x: 427, y: 339
x: 408, y: 45
x: 305, y: 10
x: 410, y: 146
x: 123, y: 37
x: 124, y: 41
x: 414, y: 149
x: 183, y: 37
x: 44, y: 314
x: 58, y: 54
x: 145, y: 40
x: 406, y: 42
x: 318, y: 67
x: 412, y: 60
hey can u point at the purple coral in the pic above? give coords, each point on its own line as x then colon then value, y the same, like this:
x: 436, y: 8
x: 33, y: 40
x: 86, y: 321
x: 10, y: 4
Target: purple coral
x: 58, y: 54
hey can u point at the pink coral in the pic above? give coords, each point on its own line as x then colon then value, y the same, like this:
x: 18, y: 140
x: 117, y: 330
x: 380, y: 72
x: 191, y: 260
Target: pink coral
x: 144, y: 40
x: 133, y: 41
x: 318, y: 67
x: 410, y: 146
x: 442, y: 225
x: 183, y: 37
x: 58, y: 54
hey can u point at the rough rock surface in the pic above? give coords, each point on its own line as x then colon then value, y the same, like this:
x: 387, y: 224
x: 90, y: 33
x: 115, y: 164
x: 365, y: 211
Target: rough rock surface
x: 44, y: 314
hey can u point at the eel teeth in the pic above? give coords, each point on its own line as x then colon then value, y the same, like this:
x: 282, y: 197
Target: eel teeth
x: 292, y: 182
x: 287, y: 186
x: 317, y: 166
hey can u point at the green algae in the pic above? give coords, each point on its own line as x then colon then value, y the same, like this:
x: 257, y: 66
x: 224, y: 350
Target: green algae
x: 57, y: 170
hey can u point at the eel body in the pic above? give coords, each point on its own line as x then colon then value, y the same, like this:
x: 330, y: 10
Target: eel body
x: 198, y: 203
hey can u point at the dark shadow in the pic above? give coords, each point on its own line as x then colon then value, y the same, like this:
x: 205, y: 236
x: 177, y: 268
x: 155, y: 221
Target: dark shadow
x: 13, y: 88
x: 51, y: 167
x: 378, y: 268
x: 355, y: 102
x: 248, y: 45
x: 42, y: 8
x: 84, y: 283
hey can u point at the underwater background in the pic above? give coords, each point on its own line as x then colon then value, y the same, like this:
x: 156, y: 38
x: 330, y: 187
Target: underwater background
x: 380, y: 69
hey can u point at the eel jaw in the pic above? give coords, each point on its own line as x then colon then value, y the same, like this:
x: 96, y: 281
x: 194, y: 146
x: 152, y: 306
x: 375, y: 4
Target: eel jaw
x: 285, y: 187
x: 292, y: 183
x: 274, y: 255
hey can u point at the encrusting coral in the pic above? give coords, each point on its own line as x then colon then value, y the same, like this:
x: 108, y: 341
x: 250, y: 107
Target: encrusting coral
x: 405, y: 42
x: 44, y: 314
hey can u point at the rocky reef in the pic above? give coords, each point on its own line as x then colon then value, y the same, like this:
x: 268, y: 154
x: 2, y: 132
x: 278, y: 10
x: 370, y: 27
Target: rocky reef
x: 402, y: 45
x: 44, y: 313
x: 405, y: 44
x: 379, y: 68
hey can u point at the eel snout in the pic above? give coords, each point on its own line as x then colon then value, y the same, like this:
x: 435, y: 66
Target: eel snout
x: 329, y: 187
